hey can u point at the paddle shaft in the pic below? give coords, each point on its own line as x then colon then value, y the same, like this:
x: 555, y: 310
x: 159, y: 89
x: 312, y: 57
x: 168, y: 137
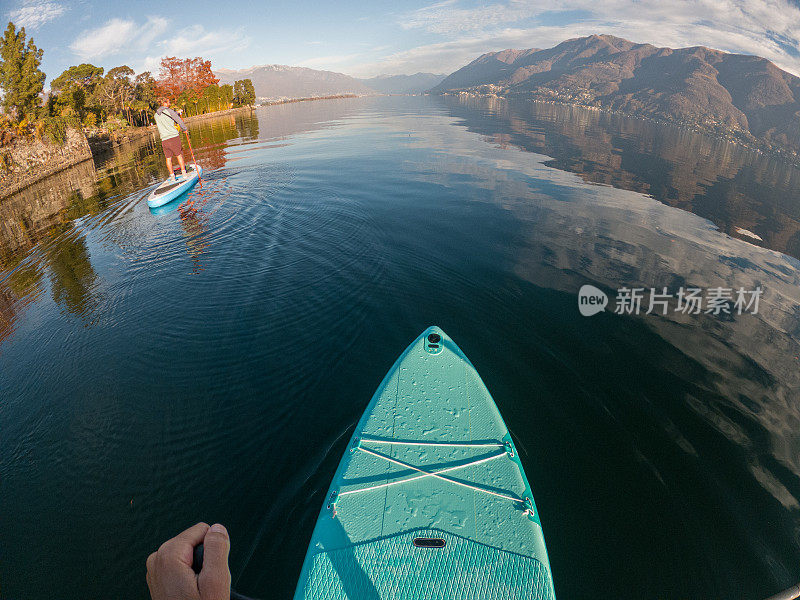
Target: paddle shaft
x: 191, y: 150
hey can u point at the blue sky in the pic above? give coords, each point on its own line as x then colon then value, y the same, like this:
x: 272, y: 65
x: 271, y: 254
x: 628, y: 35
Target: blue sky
x: 370, y: 37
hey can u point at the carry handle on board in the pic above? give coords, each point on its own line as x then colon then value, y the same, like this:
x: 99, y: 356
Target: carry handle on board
x: 197, y: 565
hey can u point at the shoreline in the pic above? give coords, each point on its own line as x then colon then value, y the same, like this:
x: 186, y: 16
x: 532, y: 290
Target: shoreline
x: 92, y: 146
x: 309, y: 99
x: 748, y: 142
x: 103, y: 143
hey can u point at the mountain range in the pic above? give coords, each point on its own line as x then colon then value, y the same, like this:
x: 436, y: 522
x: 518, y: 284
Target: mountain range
x: 277, y: 82
x: 404, y: 84
x: 746, y: 96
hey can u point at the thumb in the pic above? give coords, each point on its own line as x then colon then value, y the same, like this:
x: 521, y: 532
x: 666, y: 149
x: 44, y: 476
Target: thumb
x: 214, y: 581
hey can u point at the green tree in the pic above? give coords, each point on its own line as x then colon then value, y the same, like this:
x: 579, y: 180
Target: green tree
x: 144, y: 96
x: 184, y: 100
x: 144, y: 89
x: 85, y: 76
x: 74, y: 91
x: 244, y: 92
x: 69, y: 101
x: 211, y: 98
x: 116, y: 91
x: 20, y: 77
x: 54, y: 129
x: 249, y: 92
x: 226, y: 95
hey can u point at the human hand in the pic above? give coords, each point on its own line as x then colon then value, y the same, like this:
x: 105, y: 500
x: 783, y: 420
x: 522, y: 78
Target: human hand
x: 169, y: 569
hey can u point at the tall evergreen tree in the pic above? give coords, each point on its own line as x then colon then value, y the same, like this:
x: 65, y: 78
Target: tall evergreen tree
x: 226, y: 94
x: 238, y: 92
x: 20, y: 77
x: 244, y: 92
x: 249, y: 92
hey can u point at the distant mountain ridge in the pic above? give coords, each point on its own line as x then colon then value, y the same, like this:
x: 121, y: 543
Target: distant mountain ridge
x: 404, y: 84
x: 745, y: 95
x: 282, y: 81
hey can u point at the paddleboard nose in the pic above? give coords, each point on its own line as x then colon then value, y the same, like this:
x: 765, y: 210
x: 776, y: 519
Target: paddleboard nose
x: 433, y: 329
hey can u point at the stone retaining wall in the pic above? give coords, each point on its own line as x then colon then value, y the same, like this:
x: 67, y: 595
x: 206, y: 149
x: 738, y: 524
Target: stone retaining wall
x: 28, y: 160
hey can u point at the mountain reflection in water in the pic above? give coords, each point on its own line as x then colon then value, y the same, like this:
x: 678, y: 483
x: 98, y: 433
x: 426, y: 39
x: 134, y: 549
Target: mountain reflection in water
x: 732, y: 186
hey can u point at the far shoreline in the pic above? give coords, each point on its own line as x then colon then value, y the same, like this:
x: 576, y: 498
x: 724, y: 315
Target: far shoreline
x: 752, y: 144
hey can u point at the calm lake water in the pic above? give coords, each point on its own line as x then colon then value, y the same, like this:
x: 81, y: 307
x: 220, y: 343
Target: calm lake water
x: 208, y: 362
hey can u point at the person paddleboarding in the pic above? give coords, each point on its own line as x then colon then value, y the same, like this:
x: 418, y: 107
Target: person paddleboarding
x: 170, y: 125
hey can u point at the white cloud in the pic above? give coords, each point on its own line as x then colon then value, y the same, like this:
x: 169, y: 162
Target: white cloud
x: 448, y: 56
x: 116, y: 36
x: 769, y: 28
x: 34, y: 13
x: 447, y: 18
x: 123, y: 39
x: 108, y: 39
x: 151, y: 30
x: 196, y: 40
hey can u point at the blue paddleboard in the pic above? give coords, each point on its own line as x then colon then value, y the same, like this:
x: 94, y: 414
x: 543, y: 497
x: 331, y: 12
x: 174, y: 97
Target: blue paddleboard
x: 430, y: 500
x: 171, y: 189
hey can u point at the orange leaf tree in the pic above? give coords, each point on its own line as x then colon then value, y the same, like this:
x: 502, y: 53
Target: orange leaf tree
x: 185, y: 75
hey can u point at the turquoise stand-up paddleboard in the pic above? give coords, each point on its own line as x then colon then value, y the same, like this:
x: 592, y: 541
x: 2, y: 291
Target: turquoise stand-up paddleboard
x: 430, y: 500
x: 171, y: 189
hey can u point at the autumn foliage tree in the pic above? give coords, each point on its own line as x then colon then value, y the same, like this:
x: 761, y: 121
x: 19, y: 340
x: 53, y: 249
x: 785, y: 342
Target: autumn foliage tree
x: 189, y: 76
